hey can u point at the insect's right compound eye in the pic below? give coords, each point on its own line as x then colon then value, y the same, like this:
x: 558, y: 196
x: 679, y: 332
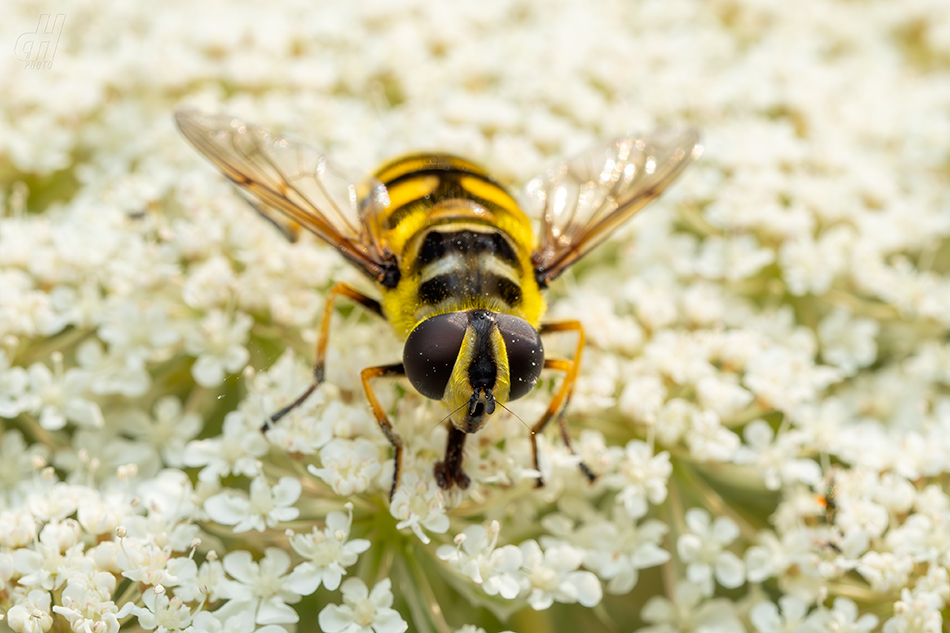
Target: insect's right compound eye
x: 431, y: 351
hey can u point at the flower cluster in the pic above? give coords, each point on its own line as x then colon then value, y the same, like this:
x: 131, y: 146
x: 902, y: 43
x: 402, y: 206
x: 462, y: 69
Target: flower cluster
x: 764, y: 395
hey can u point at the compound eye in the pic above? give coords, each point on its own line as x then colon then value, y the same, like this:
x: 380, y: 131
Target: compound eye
x: 525, y: 353
x: 431, y: 351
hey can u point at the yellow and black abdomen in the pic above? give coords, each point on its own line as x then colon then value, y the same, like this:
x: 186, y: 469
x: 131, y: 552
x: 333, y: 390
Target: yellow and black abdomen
x: 461, y: 240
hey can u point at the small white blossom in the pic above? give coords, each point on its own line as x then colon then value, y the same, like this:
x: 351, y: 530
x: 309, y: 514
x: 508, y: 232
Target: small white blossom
x: 31, y: 615
x: 349, y: 466
x: 326, y: 554
x: 617, y: 550
x: 218, y: 344
x: 703, y: 550
x: 848, y: 343
x: 766, y: 619
x: 689, y: 610
x: 86, y: 610
x: 885, y: 571
x: 497, y: 569
x: 168, y: 430
x: 260, y: 590
x: 234, y: 452
x: 60, y: 396
x: 554, y: 575
x: 709, y: 440
x: 363, y: 611
x: 641, y: 477
x: 161, y: 613
x: 844, y: 617
x: 264, y: 507
x: 777, y: 462
x: 915, y: 613
x: 417, y: 504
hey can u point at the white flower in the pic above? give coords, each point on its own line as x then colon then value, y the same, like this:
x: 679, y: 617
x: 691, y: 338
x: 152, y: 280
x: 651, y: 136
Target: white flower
x: 848, y: 343
x: 234, y: 452
x: 498, y: 570
x: 218, y: 344
x: 709, y: 440
x: 843, y: 617
x: 553, y: 575
x: 766, y: 619
x: 733, y: 258
x: 168, y: 430
x: 87, y: 611
x: 885, y: 571
x: 641, y: 477
x: 137, y: 333
x: 31, y: 615
x: 617, y: 550
x: 349, y: 466
x: 13, y: 387
x: 419, y: 503
x: 260, y: 590
x: 724, y: 397
x: 777, y: 463
x: 150, y: 564
x: 363, y: 611
x: 642, y: 397
x: 916, y: 613
x: 703, y: 550
x: 161, y: 613
x: 264, y: 507
x: 60, y: 396
x: 326, y: 554
x: 785, y: 379
x: 689, y: 610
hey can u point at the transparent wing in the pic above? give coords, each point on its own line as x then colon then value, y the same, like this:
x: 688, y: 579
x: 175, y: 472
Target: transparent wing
x: 294, y: 186
x: 582, y: 200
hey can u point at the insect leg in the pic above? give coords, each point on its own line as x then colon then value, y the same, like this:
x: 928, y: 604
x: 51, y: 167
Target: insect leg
x: 449, y: 471
x: 562, y: 397
x: 385, y: 371
x: 320, y: 354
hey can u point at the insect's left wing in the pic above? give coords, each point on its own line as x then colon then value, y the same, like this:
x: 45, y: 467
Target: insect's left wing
x: 582, y: 200
x: 294, y: 186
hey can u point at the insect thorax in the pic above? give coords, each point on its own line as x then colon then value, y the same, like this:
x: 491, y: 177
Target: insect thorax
x: 462, y: 243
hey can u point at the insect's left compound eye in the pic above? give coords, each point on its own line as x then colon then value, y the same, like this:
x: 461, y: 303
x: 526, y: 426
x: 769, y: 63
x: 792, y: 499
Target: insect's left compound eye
x: 525, y: 353
x: 431, y: 351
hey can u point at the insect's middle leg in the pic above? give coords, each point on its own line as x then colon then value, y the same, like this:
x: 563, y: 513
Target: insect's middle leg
x: 385, y: 371
x: 320, y: 354
x: 570, y: 367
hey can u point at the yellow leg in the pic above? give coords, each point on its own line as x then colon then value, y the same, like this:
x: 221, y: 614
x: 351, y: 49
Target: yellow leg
x: 320, y: 353
x: 385, y: 371
x: 570, y: 367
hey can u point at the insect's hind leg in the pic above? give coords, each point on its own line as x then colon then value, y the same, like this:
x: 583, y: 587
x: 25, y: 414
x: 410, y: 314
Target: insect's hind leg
x: 570, y: 367
x: 320, y: 354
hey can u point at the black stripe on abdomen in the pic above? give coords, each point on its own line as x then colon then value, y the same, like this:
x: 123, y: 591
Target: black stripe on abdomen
x: 436, y: 244
x: 464, y: 285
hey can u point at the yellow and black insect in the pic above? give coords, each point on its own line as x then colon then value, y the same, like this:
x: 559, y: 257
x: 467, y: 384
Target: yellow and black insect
x: 456, y: 260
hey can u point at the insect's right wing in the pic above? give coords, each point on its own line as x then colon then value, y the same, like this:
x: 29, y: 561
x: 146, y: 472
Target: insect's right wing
x: 294, y: 186
x: 582, y: 200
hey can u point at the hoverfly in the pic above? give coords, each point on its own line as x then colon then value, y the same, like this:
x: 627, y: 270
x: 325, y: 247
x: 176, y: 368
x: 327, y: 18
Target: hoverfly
x: 455, y: 259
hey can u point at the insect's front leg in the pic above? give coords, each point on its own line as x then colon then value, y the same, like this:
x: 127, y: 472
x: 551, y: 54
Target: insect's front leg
x: 320, y: 354
x: 385, y: 371
x: 570, y: 367
x: 448, y: 472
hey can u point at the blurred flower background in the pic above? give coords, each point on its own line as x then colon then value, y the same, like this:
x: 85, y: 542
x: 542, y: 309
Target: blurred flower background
x: 765, y: 386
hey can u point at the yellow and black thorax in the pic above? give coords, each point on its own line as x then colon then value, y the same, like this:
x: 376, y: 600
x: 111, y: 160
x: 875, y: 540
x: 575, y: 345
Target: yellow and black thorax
x: 461, y: 242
